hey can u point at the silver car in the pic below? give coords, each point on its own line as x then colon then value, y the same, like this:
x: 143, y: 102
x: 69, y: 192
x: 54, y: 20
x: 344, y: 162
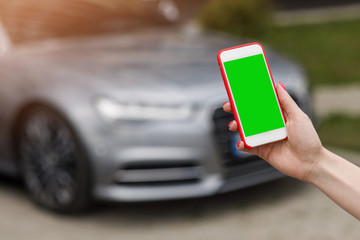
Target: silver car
x: 126, y: 114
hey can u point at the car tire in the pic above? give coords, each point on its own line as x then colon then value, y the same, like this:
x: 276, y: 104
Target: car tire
x: 52, y: 161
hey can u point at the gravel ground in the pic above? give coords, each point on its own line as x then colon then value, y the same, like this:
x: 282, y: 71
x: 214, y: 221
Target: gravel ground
x: 282, y: 209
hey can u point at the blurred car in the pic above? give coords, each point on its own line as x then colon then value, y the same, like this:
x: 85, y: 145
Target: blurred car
x: 98, y: 104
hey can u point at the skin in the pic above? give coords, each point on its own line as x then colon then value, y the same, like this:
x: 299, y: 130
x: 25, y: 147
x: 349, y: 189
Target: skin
x: 302, y: 156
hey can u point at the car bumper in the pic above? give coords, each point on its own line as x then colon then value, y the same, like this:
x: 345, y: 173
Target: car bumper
x: 209, y: 185
x: 171, y: 160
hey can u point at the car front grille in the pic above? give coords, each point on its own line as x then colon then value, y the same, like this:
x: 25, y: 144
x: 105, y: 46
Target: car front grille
x: 233, y: 165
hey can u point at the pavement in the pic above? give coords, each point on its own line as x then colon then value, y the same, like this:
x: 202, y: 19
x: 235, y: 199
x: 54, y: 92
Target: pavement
x: 326, y: 14
x: 330, y: 100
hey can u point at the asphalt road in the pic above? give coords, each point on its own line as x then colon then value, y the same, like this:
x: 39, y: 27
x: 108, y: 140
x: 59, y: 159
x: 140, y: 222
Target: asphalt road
x: 282, y: 209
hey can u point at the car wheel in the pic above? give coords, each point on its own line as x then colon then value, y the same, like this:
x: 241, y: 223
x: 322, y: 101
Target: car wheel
x: 52, y: 161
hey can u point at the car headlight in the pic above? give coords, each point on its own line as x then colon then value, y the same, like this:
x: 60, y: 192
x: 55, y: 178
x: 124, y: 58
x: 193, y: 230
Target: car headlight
x: 113, y: 110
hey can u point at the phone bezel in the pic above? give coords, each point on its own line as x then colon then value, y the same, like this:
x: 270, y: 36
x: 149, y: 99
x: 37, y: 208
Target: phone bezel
x: 238, y: 53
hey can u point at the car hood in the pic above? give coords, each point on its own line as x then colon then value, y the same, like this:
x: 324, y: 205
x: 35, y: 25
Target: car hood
x: 177, y: 63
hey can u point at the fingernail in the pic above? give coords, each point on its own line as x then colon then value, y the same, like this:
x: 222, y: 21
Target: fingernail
x: 282, y: 85
x: 238, y: 144
x: 223, y: 104
x: 230, y: 123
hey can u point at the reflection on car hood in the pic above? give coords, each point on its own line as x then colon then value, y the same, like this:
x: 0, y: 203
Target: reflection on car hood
x: 161, y: 60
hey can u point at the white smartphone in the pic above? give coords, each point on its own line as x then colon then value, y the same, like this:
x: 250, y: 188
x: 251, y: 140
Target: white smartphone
x: 252, y: 94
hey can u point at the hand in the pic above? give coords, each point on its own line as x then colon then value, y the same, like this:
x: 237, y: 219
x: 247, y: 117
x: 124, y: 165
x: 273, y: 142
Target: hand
x: 297, y: 156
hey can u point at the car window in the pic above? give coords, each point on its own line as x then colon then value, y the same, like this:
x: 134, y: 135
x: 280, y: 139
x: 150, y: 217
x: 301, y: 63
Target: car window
x: 27, y: 20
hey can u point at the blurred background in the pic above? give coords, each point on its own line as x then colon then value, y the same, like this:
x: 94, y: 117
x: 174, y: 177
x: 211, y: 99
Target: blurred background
x: 321, y: 36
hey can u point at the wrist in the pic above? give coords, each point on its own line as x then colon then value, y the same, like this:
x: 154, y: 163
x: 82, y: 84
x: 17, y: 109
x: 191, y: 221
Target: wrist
x: 327, y: 167
x: 319, y: 166
x: 337, y: 178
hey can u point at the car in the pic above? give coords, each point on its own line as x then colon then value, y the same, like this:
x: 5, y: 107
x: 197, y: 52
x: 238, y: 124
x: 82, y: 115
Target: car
x: 127, y: 109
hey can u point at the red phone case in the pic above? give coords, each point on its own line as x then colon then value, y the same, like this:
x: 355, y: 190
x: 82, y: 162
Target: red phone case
x: 232, y: 103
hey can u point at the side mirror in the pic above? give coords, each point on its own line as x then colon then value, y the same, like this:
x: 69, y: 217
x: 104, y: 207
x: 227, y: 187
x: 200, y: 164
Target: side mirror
x: 5, y: 42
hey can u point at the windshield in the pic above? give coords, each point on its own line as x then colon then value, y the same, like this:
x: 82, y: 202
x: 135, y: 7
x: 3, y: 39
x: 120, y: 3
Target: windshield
x: 28, y: 20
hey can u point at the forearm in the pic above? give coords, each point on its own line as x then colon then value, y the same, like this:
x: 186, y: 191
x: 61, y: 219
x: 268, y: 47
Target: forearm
x: 339, y: 179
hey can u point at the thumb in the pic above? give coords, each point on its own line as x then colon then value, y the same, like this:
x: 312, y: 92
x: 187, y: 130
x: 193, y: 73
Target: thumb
x: 288, y: 105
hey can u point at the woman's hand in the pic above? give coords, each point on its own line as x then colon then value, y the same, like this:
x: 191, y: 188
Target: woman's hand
x: 302, y: 156
x: 297, y: 156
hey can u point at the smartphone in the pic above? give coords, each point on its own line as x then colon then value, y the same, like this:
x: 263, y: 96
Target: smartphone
x: 252, y: 94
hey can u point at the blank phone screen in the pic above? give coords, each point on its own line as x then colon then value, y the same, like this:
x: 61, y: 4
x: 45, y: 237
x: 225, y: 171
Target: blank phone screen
x: 253, y: 94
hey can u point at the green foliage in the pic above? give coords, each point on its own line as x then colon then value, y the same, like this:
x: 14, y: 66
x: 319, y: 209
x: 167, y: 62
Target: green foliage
x: 341, y: 131
x: 328, y: 51
x: 246, y: 18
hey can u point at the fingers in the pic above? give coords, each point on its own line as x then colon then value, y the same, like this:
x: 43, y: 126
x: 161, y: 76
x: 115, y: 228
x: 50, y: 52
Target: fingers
x: 241, y: 147
x: 227, y: 107
x: 288, y: 105
x: 233, y: 126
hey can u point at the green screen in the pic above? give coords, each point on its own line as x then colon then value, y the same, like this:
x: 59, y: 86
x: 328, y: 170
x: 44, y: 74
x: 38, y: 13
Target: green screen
x: 253, y: 94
